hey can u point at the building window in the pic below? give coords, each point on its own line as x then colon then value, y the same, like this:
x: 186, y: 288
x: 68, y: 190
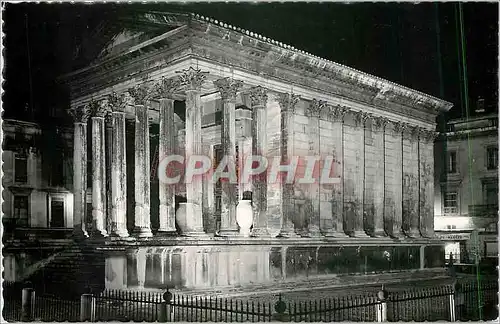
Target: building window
x: 21, y: 169
x: 451, y: 227
x: 492, y: 158
x: 490, y: 193
x: 450, y: 203
x: 21, y: 207
x: 452, y: 162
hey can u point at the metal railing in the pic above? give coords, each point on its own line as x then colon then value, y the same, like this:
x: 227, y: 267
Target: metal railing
x: 461, y: 301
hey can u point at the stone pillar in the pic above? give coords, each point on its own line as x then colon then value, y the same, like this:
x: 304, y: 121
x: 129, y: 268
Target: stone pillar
x: 313, y: 112
x: 410, y: 182
x: 118, y: 165
x: 354, y: 166
x: 209, y: 220
x: 258, y: 96
x: 164, y: 92
x: 426, y: 175
x: 228, y: 89
x: 193, y: 79
x: 109, y: 147
x: 332, y: 196
x: 287, y: 104
x: 393, y: 178
x: 80, y: 116
x: 142, y: 228
x: 374, y: 177
x: 98, y: 111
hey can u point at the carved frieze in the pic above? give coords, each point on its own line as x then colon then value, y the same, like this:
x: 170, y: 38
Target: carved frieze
x: 98, y: 108
x: 288, y: 101
x: 192, y: 79
x: 140, y: 94
x: 315, y: 108
x: 228, y: 88
x: 166, y: 88
x: 258, y: 96
x: 80, y: 114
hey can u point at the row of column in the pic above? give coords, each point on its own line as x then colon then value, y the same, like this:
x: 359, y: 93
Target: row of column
x: 190, y: 82
x: 386, y: 169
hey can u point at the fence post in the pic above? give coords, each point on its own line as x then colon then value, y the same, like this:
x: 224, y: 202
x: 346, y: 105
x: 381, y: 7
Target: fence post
x: 166, y: 307
x: 87, y: 309
x: 27, y: 305
x: 280, y: 308
x: 453, y: 316
x: 382, y: 306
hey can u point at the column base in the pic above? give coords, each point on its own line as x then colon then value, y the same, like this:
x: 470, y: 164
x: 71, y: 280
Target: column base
x: 412, y: 234
x: 378, y: 233
x: 79, y: 233
x: 313, y: 232
x: 199, y: 234
x: 429, y: 235
x: 167, y: 232
x: 119, y: 231
x: 359, y: 234
x: 396, y: 234
x: 260, y: 232
x: 229, y: 232
x: 96, y: 233
x: 142, y: 232
x: 287, y: 232
x: 331, y: 233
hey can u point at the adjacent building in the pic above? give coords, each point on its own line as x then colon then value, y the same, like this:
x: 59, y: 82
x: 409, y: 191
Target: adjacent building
x: 466, y: 208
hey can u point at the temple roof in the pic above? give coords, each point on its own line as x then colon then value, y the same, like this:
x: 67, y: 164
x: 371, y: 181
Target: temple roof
x: 135, y: 37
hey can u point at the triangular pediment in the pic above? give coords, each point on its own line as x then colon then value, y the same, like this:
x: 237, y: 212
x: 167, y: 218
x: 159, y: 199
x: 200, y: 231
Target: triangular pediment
x: 112, y: 38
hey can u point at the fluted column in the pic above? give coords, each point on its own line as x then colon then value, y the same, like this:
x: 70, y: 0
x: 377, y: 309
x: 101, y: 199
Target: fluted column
x: 98, y: 111
x: 333, y: 195
x: 228, y: 89
x: 118, y: 164
x: 313, y: 112
x: 354, y: 167
x: 109, y: 148
x: 287, y: 103
x: 164, y: 92
x: 410, y: 182
x: 374, y: 177
x: 393, y: 178
x: 142, y: 226
x: 258, y: 96
x: 192, y: 79
x: 80, y: 116
x: 426, y: 174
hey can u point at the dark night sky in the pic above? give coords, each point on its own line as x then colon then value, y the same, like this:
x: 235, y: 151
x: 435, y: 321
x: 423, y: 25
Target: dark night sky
x: 394, y: 41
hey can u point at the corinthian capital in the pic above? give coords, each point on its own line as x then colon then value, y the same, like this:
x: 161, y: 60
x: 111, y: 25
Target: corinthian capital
x: 337, y: 113
x: 379, y: 123
x: 166, y: 88
x: 98, y: 108
x: 80, y: 114
x: 192, y: 78
x: 288, y: 101
x: 228, y: 88
x: 360, y: 118
x: 258, y: 96
x: 428, y: 136
x: 140, y: 94
x: 117, y: 102
x: 315, y: 107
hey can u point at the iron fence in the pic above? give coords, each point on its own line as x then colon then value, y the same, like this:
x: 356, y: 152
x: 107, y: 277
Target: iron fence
x: 463, y: 301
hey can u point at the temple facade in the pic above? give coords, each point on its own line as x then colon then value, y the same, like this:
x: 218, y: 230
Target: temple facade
x: 194, y: 86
